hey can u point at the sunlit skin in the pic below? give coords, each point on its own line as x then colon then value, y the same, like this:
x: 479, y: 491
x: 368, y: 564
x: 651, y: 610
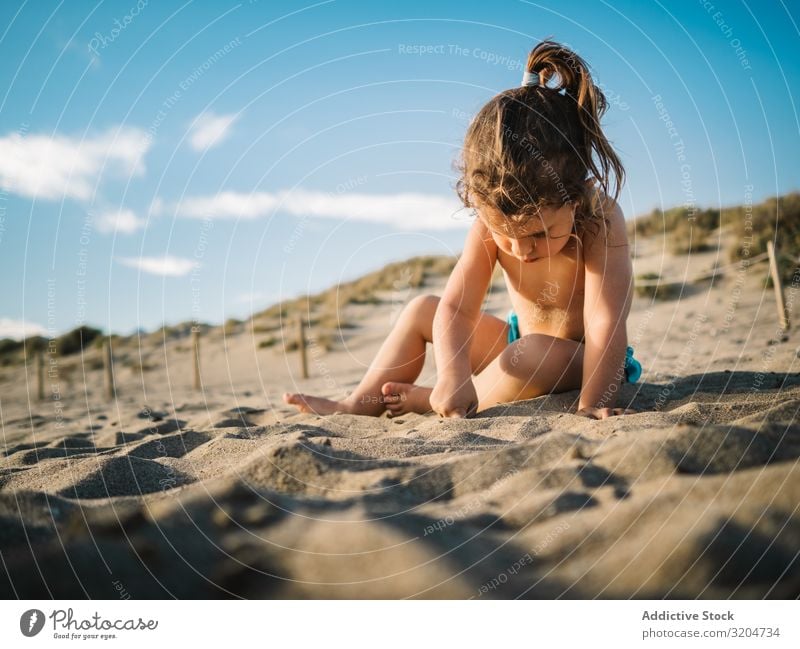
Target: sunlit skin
x: 571, y: 294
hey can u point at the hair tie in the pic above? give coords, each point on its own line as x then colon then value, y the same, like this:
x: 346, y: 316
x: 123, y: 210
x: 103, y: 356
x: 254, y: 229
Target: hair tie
x: 530, y: 79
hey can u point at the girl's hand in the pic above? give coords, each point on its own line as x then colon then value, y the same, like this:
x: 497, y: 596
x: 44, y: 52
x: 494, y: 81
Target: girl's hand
x: 604, y: 413
x: 454, y: 398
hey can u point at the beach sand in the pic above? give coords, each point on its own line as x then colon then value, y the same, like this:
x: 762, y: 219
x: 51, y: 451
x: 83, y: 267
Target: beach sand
x: 227, y: 492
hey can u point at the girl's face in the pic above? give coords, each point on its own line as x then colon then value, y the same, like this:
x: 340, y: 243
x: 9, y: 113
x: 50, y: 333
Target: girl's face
x: 543, y: 235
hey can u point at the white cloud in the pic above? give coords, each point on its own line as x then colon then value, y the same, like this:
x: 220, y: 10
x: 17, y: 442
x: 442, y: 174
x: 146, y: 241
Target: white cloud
x: 19, y: 329
x: 52, y: 167
x: 156, y: 206
x: 403, y: 211
x: 123, y: 221
x: 166, y: 266
x: 209, y: 129
x: 227, y: 205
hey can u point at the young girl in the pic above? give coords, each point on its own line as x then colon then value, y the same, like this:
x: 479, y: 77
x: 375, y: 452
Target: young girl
x: 538, y: 172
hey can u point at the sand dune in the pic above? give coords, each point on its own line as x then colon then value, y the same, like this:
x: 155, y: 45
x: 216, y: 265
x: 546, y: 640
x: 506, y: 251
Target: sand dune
x: 229, y: 493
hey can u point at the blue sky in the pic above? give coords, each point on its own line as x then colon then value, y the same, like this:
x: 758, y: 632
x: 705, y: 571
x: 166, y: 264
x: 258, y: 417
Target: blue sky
x: 166, y: 161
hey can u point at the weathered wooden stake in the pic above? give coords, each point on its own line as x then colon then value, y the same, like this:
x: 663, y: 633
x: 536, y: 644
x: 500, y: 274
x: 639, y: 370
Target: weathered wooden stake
x: 301, y: 343
x: 108, y: 366
x: 40, y: 373
x: 783, y: 317
x: 196, y: 355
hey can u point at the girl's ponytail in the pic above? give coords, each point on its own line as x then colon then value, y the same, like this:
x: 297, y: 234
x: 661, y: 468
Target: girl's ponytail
x: 537, y: 145
x: 561, y: 69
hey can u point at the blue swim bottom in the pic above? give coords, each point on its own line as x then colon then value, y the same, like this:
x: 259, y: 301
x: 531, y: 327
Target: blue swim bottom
x: 633, y: 368
x: 513, y: 327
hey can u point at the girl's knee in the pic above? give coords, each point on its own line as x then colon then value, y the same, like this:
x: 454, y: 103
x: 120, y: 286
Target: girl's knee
x: 423, y: 305
x: 537, y: 352
x: 418, y: 315
x: 522, y: 356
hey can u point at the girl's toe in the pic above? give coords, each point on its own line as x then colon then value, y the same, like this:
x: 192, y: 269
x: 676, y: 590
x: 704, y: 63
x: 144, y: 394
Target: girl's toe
x: 390, y: 388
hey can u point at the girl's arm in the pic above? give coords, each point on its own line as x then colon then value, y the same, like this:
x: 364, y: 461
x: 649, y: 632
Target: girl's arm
x: 454, y: 323
x: 607, y: 301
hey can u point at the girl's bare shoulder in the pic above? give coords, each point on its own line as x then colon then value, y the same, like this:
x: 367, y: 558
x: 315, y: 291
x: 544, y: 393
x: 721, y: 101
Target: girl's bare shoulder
x: 608, y: 222
x: 480, y: 238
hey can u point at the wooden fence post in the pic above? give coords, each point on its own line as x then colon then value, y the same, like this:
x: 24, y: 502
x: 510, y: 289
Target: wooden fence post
x: 108, y: 366
x: 783, y: 317
x: 196, y: 357
x: 301, y: 343
x: 40, y: 373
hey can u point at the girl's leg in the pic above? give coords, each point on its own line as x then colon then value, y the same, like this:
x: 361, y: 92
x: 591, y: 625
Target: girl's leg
x: 401, y: 358
x: 534, y: 365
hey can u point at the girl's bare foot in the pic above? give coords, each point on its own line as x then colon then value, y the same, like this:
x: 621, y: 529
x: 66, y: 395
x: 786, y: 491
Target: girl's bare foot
x: 353, y: 405
x: 401, y: 398
x: 315, y: 405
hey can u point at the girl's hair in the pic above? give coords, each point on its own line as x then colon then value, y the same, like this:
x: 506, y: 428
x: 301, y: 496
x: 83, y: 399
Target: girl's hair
x: 536, y: 146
